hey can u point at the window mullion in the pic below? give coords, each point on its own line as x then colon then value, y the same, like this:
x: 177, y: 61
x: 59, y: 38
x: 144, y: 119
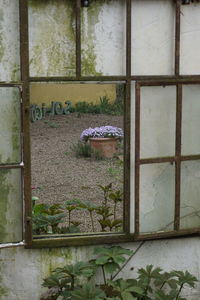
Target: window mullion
x: 178, y: 156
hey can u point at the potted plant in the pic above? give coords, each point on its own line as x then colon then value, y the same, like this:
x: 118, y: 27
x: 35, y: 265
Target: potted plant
x: 103, y: 139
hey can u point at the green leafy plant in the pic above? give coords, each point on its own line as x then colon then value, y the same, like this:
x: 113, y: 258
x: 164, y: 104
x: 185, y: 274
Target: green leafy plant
x: 46, y: 218
x: 53, y: 125
x: 71, y: 205
x: 77, y: 282
x: 103, y: 107
x: 85, y: 150
x: 105, y: 210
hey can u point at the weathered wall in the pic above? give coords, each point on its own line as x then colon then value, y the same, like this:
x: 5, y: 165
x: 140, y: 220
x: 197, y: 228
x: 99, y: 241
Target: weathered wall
x: 22, y: 270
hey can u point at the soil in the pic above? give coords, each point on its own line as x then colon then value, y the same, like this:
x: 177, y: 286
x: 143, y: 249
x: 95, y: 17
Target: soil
x: 59, y: 175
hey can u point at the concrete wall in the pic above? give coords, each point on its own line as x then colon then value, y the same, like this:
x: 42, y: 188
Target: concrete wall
x: 22, y: 270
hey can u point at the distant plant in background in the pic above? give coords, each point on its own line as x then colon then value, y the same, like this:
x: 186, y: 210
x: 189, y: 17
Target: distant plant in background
x: 77, y: 281
x: 103, y: 107
x: 101, y: 132
x: 85, y: 150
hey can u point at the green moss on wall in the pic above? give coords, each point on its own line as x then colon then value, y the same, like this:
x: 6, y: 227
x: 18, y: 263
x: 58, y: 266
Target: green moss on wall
x: 53, y: 38
x: 15, y: 120
x: 3, y: 290
x: 53, y: 47
x: 4, y: 192
x: 2, y: 48
x: 90, y: 17
x: 54, y: 257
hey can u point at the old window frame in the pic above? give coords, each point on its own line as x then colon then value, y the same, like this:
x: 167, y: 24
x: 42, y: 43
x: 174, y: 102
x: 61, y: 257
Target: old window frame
x: 175, y: 79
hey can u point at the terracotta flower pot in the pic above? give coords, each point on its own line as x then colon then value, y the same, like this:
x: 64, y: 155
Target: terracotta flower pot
x: 107, y: 146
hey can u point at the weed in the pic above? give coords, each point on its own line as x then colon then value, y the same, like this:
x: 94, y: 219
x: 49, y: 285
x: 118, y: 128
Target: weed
x: 85, y: 150
x: 53, y: 125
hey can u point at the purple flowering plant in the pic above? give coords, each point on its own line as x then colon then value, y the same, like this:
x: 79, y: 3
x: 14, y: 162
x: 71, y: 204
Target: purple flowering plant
x: 101, y: 132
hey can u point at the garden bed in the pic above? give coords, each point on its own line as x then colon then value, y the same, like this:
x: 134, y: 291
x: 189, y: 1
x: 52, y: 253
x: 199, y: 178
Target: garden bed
x: 59, y: 175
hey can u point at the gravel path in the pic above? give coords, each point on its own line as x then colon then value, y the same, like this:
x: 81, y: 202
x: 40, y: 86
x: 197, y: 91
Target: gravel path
x: 58, y: 174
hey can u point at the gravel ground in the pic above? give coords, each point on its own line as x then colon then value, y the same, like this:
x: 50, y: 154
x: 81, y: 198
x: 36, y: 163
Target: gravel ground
x: 59, y: 175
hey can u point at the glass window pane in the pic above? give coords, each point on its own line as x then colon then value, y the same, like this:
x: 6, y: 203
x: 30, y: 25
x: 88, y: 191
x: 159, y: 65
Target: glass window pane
x: 9, y: 41
x: 10, y: 206
x: 153, y: 37
x: 190, y: 39
x: 190, y: 195
x: 157, y: 197
x: 158, y: 118
x: 104, y: 38
x: 10, y: 125
x: 191, y: 120
x: 52, y: 38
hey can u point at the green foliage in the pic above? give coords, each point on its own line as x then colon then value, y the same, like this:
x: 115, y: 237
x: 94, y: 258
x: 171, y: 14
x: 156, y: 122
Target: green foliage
x: 103, y: 107
x: 73, y: 282
x: 48, y: 218
x: 89, y: 292
x: 43, y: 224
x: 53, y: 125
x: 85, y: 150
x: 111, y: 258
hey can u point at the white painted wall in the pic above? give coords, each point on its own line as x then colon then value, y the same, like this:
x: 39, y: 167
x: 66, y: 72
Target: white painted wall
x: 22, y: 270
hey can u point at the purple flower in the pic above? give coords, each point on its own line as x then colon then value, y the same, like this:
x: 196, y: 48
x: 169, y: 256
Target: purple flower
x: 100, y: 132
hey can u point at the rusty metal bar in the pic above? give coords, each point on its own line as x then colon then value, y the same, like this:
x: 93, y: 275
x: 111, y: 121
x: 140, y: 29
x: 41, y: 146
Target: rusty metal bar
x: 157, y: 160
x: 82, y: 78
x: 169, y: 159
x: 169, y: 234
x: 127, y: 120
x: 144, y: 80
x: 78, y: 39
x: 178, y: 155
x: 137, y: 158
x: 177, y: 37
x: 24, y: 62
x: 128, y: 38
x: 61, y: 241
x: 190, y: 157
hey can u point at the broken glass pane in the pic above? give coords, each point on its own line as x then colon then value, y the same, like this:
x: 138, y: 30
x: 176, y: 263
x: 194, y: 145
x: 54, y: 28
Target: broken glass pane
x: 157, y: 194
x: 190, y: 195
